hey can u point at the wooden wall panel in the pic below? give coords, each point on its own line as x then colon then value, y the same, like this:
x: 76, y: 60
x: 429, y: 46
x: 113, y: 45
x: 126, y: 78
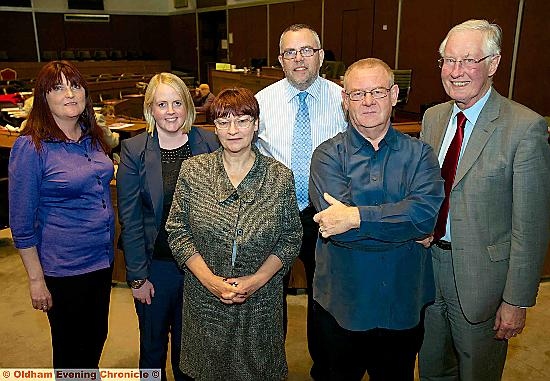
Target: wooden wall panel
x: 184, y: 42
x: 86, y: 35
x: 125, y: 33
x: 17, y: 36
x: 349, y: 29
x: 248, y: 42
x: 155, y: 38
x: 283, y: 15
x: 51, y: 34
x: 383, y: 44
x: 532, y: 80
x: 418, y: 48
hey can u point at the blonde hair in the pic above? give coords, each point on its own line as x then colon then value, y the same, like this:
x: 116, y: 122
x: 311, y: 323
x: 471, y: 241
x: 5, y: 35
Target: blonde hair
x: 177, y: 84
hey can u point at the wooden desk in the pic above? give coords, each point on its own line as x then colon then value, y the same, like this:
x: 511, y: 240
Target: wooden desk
x: 409, y: 128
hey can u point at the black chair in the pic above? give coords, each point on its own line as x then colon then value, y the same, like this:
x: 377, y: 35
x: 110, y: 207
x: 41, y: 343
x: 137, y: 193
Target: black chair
x: 333, y: 69
x: 116, y: 54
x: 402, y: 78
x: 100, y: 55
x: 84, y: 55
x: 67, y: 55
x: 49, y: 55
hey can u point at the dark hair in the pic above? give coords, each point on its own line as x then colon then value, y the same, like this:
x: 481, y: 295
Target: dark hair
x: 237, y: 101
x: 41, y: 125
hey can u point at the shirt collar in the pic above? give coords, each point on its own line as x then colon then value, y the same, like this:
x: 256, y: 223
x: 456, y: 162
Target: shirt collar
x: 472, y: 113
x: 358, y: 140
x: 314, y: 90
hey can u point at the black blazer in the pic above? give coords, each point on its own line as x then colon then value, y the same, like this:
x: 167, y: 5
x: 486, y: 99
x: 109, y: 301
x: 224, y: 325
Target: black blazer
x: 140, y: 195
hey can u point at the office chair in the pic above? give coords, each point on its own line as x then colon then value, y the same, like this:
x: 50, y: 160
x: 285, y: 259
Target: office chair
x: 67, y: 55
x: 402, y: 78
x: 333, y: 69
x: 100, y: 55
x: 49, y: 55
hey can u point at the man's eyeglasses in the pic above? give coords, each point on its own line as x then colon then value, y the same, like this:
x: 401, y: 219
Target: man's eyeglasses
x: 467, y: 63
x: 306, y: 51
x: 242, y: 122
x: 378, y: 93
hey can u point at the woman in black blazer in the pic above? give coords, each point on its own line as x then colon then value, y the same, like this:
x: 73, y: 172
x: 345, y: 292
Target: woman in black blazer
x: 146, y: 179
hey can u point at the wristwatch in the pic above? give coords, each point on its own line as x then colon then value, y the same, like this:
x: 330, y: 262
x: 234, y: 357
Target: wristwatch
x: 136, y: 283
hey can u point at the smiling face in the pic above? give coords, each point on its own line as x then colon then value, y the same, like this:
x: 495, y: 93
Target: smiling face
x: 301, y: 72
x: 66, y: 101
x: 168, y: 110
x: 467, y: 86
x: 371, y: 117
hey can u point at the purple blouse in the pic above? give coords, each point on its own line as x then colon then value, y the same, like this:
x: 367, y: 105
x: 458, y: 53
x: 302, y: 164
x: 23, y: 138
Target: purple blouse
x: 60, y: 202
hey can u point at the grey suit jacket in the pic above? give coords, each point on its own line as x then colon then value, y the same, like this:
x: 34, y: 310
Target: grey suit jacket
x: 499, y: 205
x: 140, y: 195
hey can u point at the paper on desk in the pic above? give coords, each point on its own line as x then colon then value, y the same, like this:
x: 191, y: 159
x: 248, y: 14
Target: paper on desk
x: 10, y: 109
x: 118, y: 126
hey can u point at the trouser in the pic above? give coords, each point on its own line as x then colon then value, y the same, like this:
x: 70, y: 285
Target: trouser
x: 455, y: 349
x: 307, y: 256
x: 79, y: 318
x: 386, y: 354
x: 162, y: 319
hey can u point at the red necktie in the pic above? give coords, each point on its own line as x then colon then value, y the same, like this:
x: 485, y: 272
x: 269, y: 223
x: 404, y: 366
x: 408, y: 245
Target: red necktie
x: 448, y: 171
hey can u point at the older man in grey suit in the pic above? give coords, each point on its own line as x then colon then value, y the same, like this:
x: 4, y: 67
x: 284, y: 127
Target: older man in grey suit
x: 493, y: 228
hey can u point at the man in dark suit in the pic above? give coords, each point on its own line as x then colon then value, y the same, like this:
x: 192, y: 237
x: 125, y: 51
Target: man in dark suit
x: 492, y: 231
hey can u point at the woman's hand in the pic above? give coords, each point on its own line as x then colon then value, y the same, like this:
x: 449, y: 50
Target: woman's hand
x: 222, y: 289
x: 244, y: 287
x: 40, y: 295
x: 145, y: 293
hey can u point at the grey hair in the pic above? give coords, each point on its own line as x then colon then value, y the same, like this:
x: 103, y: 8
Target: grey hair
x: 492, y: 34
x: 369, y: 63
x: 296, y: 28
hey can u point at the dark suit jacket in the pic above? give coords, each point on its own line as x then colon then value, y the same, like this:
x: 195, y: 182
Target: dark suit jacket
x: 499, y: 205
x: 140, y: 195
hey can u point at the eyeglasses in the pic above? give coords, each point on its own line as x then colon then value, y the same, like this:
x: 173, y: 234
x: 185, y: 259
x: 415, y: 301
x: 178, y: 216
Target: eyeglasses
x: 378, y: 93
x: 242, y: 123
x: 467, y: 63
x: 305, y: 51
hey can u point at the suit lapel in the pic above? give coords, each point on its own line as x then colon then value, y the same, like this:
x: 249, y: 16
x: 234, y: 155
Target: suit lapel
x: 441, y: 128
x: 481, y: 133
x: 153, y: 175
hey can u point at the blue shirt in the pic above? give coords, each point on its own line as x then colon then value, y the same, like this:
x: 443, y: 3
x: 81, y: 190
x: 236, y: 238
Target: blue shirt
x: 377, y: 276
x: 279, y: 106
x: 60, y: 203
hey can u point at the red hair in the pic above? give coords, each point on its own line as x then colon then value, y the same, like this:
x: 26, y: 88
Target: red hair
x: 41, y: 125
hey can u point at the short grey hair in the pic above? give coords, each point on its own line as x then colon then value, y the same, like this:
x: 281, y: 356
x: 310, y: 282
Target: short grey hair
x: 369, y: 63
x: 492, y: 34
x: 296, y: 28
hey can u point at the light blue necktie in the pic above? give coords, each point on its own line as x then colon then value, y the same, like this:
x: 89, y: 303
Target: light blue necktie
x: 301, y: 151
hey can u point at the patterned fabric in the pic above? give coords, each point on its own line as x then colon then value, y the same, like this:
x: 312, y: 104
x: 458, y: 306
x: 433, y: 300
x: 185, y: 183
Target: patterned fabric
x: 301, y: 151
x: 278, y: 109
x: 208, y: 217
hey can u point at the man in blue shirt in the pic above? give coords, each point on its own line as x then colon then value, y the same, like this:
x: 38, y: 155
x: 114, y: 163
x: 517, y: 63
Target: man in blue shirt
x: 378, y: 192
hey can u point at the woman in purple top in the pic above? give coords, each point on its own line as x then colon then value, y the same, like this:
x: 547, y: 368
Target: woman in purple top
x: 61, y: 215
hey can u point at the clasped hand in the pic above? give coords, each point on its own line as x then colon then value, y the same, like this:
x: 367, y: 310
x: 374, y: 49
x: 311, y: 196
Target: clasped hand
x: 233, y: 290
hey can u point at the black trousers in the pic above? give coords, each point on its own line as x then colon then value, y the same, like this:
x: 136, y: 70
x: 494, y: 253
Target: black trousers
x: 307, y: 256
x: 79, y: 318
x: 387, y: 355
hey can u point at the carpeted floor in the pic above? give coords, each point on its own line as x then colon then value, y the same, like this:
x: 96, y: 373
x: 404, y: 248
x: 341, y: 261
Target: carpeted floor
x: 25, y: 337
